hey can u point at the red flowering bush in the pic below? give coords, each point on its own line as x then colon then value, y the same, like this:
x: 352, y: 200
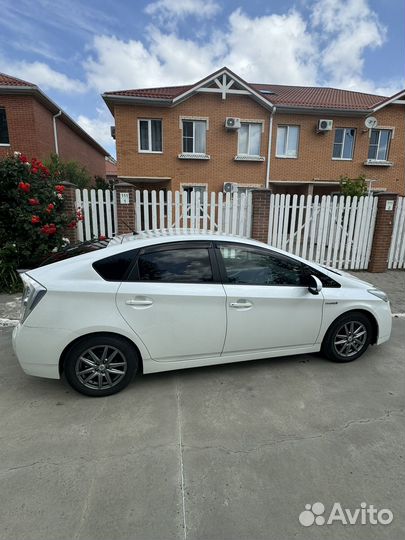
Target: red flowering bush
x: 32, y: 216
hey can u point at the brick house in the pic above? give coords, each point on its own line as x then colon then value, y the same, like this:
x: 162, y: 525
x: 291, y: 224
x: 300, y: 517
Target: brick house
x: 224, y: 133
x: 33, y: 124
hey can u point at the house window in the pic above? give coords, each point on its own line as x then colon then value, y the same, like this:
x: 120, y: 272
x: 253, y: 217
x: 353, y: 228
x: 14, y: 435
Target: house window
x: 344, y: 143
x: 379, y: 144
x: 287, y: 141
x: 4, y: 139
x: 150, y: 135
x: 194, y: 136
x: 249, y: 139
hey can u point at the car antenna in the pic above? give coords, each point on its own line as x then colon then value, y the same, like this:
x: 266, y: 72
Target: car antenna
x: 133, y: 231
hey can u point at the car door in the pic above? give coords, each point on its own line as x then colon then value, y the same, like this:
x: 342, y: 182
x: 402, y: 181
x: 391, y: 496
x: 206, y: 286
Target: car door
x: 268, y: 304
x: 175, y: 301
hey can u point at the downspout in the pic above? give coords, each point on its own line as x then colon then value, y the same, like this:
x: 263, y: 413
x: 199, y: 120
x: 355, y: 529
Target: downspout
x: 55, y: 132
x: 269, y: 149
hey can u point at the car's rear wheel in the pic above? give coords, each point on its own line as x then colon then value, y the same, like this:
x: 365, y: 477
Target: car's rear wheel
x: 100, y: 365
x: 348, y: 337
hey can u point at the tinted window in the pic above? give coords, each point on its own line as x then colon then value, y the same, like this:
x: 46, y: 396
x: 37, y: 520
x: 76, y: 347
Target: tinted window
x: 176, y: 265
x: 74, y: 251
x: 253, y: 267
x: 115, y: 268
x: 3, y: 127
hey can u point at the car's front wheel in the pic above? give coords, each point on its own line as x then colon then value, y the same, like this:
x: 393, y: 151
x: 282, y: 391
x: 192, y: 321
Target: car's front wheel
x: 348, y: 337
x: 100, y: 365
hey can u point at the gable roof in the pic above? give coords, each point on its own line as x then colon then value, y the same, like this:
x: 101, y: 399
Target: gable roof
x: 286, y: 98
x: 13, y: 85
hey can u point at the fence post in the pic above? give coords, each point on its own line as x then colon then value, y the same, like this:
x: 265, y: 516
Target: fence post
x: 125, y: 207
x: 69, y: 199
x: 382, y: 232
x: 260, y: 214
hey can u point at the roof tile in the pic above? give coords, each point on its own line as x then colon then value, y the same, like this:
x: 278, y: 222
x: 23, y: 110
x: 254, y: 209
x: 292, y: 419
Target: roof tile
x: 6, y: 80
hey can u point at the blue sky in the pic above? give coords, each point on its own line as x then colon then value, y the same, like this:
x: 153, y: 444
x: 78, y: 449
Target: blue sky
x: 74, y: 50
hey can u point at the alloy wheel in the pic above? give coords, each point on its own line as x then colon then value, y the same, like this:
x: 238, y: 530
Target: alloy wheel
x: 350, y: 339
x: 101, y: 367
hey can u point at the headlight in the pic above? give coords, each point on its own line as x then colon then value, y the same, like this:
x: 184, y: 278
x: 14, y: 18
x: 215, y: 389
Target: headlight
x: 33, y: 292
x: 378, y: 294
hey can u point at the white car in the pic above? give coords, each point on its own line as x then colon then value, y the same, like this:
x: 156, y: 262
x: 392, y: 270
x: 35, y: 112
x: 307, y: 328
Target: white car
x: 164, y: 301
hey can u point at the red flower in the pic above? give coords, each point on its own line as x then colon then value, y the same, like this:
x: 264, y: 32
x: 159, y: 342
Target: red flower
x: 72, y: 225
x: 79, y: 215
x: 34, y: 170
x: 24, y: 186
x: 33, y: 202
x: 45, y: 171
x: 23, y: 158
x: 102, y: 237
x: 50, y: 207
x: 35, y: 219
x: 60, y: 189
x: 49, y: 229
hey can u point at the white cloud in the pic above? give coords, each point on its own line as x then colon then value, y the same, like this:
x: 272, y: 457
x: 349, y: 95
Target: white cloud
x: 98, y: 127
x: 42, y: 75
x: 326, y: 49
x: 170, y: 10
x: 346, y: 29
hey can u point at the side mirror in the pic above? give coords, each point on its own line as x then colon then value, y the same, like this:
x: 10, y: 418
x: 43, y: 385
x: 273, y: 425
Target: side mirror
x: 315, y: 285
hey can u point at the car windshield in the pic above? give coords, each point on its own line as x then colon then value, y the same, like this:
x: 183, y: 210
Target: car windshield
x: 77, y: 249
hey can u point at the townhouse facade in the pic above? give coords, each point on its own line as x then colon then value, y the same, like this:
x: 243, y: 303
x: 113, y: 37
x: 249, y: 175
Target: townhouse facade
x: 224, y: 134
x: 31, y: 123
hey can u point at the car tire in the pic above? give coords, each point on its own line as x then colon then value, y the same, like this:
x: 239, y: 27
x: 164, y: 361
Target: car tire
x: 100, y: 365
x: 347, y: 338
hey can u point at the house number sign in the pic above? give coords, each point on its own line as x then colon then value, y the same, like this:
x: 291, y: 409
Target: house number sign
x: 124, y: 198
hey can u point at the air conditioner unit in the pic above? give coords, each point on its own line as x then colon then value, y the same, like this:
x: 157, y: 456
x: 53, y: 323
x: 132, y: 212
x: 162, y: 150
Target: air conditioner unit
x: 325, y: 125
x: 230, y: 187
x: 112, y: 131
x: 232, y: 123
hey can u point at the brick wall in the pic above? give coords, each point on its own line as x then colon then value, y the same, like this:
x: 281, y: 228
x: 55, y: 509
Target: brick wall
x: 315, y: 150
x: 30, y: 127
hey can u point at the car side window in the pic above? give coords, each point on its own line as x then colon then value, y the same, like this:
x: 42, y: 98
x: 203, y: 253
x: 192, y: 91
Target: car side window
x: 176, y: 266
x: 116, y: 267
x: 246, y: 266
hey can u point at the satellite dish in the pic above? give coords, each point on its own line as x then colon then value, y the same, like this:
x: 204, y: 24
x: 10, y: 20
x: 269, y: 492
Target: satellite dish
x: 370, y: 122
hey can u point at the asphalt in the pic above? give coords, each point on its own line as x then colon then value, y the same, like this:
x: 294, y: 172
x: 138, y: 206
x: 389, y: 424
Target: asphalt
x: 227, y: 452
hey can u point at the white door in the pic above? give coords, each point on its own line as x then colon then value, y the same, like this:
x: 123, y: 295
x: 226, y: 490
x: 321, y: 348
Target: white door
x: 268, y: 306
x: 174, y: 304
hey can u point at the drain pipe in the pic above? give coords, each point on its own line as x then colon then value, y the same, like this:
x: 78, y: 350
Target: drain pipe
x: 269, y: 149
x: 55, y: 132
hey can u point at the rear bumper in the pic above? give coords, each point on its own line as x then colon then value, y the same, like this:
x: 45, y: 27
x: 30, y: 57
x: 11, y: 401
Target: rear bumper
x: 38, y: 350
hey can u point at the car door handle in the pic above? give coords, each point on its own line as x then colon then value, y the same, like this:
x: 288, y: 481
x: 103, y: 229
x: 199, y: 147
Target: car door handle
x: 141, y: 303
x: 241, y: 305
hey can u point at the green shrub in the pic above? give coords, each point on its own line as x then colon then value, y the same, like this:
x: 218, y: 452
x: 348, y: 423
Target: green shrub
x: 69, y: 171
x: 32, y: 216
x: 353, y: 187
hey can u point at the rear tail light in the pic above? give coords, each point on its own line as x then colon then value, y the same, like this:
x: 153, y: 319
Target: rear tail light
x: 33, y: 293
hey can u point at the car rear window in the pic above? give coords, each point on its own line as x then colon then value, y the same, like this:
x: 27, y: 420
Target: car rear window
x: 74, y: 251
x: 116, y: 267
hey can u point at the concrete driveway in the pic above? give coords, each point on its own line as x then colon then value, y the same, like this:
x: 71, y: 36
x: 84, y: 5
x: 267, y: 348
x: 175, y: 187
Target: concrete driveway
x: 230, y: 452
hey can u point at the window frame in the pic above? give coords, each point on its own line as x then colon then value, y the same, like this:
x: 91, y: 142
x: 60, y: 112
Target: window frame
x: 288, y: 126
x: 3, y: 144
x: 249, y: 124
x: 376, y: 159
x: 341, y: 158
x: 193, y: 121
x: 306, y: 268
x: 134, y: 276
x: 149, y: 120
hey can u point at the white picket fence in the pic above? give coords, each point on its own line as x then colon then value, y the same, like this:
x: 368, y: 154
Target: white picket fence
x: 99, y: 211
x: 396, y: 258
x: 217, y: 212
x: 335, y: 231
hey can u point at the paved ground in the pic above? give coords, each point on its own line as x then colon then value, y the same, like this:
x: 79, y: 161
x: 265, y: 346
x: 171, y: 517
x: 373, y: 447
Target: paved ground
x: 231, y: 452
